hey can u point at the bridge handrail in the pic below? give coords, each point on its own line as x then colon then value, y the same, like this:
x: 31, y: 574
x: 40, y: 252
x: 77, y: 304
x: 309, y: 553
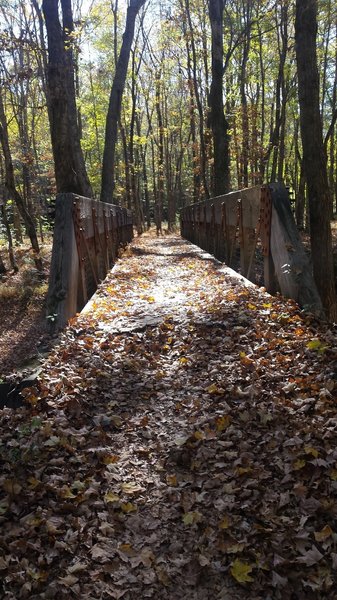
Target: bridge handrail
x: 246, y: 218
x: 87, y: 235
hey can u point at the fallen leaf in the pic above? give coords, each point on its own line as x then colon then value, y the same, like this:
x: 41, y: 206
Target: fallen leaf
x: 128, y: 507
x: 240, y: 571
x: 311, y: 557
x: 68, y: 580
x: 131, y: 488
x: 324, y: 534
x: 190, y: 518
x: 111, y: 497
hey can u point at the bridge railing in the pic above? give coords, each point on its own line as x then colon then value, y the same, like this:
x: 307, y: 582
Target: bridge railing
x: 87, y: 235
x: 233, y: 226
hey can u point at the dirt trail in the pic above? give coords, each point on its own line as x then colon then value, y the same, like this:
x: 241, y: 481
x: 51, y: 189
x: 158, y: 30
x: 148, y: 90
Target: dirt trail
x: 181, y: 444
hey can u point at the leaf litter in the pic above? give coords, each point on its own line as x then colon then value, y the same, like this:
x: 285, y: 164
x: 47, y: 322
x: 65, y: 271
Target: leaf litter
x: 180, y: 443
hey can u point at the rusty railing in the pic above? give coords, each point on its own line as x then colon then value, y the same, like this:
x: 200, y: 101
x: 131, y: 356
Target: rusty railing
x: 87, y: 236
x: 232, y: 227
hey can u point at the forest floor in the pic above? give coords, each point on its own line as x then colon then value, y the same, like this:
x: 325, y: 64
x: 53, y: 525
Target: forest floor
x: 181, y: 443
x: 24, y: 337
x: 23, y: 332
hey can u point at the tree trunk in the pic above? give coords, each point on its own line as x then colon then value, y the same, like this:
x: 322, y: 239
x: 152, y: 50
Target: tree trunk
x: 247, y: 18
x: 314, y: 157
x: 11, y: 188
x: 158, y: 209
x: 9, y: 239
x: 203, y: 151
x: 217, y: 118
x: 115, y: 103
x: 194, y: 145
x: 70, y: 171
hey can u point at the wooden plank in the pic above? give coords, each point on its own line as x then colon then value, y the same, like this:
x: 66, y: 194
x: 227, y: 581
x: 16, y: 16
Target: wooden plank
x: 292, y: 265
x: 249, y: 218
x: 64, y: 269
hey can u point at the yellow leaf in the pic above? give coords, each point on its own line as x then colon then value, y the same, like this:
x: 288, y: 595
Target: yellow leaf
x: 224, y: 523
x: 245, y: 360
x: 66, y: 493
x: 214, y: 389
x: 39, y: 575
x: 171, y: 480
x: 131, y: 488
x: 222, y: 422
x: 183, y: 360
x: 198, y: 435
x: 240, y: 571
x: 324, y: 534
x: 111, y: 497
x: 190, y: 518
x: 333, y: 474
x: 251, y: 306
x: 317, y: 345
x: 312, y: 451
x: 299, y: 464
x: 128, y: 507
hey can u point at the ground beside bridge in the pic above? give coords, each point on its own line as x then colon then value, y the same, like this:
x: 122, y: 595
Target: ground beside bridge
x: 181, y: 444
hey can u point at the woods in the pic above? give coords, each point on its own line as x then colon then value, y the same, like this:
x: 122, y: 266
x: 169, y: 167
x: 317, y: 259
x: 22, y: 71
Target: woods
x: 153, y: 106
x: 168, y: 398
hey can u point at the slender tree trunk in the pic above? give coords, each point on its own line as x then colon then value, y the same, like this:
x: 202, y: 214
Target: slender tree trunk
x: 115, y: 103
x: 244, y: 182
x: 160, y: 170
x: 194, y: 149
x: 11, y: 188
x: 9, y: 238
x: 127, y: 195
x: 3, y: 269
x: 262, y: 162
x: 217, y: 118
x: 314, y: 157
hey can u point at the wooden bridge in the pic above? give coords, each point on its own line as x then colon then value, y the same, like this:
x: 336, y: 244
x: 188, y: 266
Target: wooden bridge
x: 235, y: 228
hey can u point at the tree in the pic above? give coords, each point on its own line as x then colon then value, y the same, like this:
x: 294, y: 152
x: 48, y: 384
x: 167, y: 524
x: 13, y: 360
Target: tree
x: 115, y: 102
x: 314, y: 157
x: 217, y: 120
x: 11, y: 187
x: 70, y: 170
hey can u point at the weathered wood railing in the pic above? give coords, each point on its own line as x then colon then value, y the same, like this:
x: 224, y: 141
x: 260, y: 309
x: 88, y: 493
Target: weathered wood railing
x: 231, y: 227
x: 87, y: 236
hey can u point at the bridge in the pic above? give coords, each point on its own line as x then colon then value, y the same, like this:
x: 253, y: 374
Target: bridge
x: 235, y: 228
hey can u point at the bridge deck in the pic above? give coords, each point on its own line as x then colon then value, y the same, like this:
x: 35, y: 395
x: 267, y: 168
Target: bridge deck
x: 176, y: 444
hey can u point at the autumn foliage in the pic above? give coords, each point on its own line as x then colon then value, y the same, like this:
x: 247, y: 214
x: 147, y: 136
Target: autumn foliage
x: 181, y: 443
